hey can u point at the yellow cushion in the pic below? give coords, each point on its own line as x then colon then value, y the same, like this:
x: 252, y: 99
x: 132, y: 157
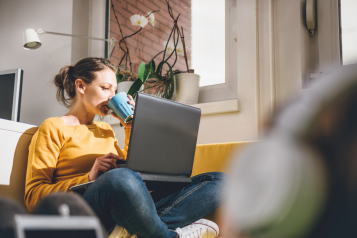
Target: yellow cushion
x: 214, y: 157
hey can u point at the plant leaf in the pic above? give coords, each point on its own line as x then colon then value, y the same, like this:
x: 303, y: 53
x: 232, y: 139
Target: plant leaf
x: 144, y: 70
x: 135, y: 87
x: 152, y: 69
x: 141, y: 71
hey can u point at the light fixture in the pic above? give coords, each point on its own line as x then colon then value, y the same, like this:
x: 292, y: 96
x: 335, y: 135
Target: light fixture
x: 32, y: 40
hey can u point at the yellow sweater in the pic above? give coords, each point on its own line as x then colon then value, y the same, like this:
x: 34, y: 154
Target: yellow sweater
x: 61, y: 156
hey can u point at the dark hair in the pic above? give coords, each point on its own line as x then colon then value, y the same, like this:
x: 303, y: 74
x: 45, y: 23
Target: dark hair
x: 84, y: 69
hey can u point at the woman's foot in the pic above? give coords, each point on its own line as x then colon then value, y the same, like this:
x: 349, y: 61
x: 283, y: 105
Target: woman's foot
x: 199, y: 229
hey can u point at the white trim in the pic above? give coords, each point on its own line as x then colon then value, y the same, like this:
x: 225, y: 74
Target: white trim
x: 218, y: 107
x: 272, y: 57
x: 96, y: 27
x: 328, y: 30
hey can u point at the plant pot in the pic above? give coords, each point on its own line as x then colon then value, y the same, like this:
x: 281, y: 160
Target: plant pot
x: 187, y: 87
x: 150, y: 88
x: 124, y: 86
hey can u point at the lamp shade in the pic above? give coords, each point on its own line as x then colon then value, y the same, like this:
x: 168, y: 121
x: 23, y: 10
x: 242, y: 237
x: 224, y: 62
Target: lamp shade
x: 31, y: 40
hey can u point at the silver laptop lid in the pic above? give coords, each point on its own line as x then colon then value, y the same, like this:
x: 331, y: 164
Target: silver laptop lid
x: 38, y: 226
x: 163, y: 136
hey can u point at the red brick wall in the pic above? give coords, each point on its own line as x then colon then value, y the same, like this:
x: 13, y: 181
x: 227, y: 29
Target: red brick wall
x: 149, y: 41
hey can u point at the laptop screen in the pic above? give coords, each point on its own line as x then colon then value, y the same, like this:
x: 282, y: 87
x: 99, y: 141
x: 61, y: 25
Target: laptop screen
x: 60, y: 233
x: 163, y: 136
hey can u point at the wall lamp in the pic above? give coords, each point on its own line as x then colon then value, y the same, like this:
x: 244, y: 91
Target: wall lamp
x: 32, y: 40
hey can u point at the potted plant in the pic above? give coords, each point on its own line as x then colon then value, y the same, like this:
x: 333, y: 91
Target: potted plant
x: 162, y: 80
x: 125, y: 78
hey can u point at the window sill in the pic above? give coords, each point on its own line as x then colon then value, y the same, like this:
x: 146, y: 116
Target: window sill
x: 218, y: 107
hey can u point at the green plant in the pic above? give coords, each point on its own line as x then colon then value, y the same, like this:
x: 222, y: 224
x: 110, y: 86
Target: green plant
x: 165, y: 83
x: 125, y: 74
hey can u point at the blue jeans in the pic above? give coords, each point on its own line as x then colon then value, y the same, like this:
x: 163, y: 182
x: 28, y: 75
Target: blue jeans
x: 120, y: 197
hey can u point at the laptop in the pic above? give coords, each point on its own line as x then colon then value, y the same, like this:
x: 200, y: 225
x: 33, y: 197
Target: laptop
x: 40, y: 226
x: 162, y: 143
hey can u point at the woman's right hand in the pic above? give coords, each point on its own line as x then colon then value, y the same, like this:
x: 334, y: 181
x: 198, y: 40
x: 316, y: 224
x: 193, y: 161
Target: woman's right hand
x: 102, y: 165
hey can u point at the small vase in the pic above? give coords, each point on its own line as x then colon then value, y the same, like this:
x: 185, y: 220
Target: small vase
x: 124, y: 86
x: 187, y: 87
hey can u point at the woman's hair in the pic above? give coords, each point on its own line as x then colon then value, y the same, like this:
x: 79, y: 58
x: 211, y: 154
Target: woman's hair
x: 84, y: 69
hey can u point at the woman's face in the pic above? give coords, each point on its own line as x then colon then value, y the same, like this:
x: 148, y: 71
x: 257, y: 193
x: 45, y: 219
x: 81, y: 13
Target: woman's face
x: 97, y: 94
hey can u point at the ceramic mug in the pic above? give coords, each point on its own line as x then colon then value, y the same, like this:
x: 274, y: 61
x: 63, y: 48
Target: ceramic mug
x: 120, y: 106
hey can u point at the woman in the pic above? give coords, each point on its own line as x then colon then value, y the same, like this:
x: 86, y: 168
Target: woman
x: 73, y: 149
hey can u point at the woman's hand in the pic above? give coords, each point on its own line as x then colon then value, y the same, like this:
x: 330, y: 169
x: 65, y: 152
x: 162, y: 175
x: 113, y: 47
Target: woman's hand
x: 102, y: 165
x: 126, y: 125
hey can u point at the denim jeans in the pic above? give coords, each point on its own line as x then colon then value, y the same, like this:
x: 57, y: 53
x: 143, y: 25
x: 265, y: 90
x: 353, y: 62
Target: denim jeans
x: 120, y: 197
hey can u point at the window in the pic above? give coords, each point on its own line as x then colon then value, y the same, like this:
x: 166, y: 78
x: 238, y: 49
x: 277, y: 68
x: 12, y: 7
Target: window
x: 224, y: 87
x: 208, y: 40
x: 210, y: 36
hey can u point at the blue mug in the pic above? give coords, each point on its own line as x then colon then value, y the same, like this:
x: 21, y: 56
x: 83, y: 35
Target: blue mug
x: 120, y: 106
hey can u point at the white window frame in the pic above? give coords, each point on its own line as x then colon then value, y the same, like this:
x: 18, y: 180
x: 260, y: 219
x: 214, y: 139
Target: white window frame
x: 227, y: 90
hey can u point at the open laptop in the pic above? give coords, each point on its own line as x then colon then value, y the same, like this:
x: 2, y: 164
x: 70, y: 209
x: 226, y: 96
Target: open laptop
x: 41, y: 226
x: 162, y: 143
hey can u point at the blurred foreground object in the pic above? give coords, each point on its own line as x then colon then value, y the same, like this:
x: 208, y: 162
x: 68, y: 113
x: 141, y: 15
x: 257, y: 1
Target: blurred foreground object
x: 300, y: 180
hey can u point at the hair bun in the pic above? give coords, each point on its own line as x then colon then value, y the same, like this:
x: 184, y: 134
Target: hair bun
x: 63, y: 76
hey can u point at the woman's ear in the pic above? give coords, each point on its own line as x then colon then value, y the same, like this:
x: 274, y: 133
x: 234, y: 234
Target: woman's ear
x: 80, y: 86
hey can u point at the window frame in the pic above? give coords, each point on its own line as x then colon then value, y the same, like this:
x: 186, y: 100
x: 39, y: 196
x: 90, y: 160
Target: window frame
x: 227, y: 90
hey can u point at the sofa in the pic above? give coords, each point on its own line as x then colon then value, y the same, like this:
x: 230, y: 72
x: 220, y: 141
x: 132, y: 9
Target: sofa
x: 15, y: 138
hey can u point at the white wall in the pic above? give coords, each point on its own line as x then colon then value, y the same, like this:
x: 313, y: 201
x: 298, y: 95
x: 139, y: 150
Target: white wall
x: 38, y: 92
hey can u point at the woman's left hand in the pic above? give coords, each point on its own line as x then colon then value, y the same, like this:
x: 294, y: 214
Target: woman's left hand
x: 126, y: 125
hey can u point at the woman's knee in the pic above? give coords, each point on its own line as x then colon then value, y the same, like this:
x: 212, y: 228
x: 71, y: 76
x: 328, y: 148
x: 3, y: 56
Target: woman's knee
x: 221, y: 180
x: 218, y: 183
x: 218, y: 178
x: 123, y: 180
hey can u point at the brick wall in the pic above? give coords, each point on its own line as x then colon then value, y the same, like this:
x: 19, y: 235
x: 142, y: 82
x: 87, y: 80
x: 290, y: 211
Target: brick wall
x: 149, y: 41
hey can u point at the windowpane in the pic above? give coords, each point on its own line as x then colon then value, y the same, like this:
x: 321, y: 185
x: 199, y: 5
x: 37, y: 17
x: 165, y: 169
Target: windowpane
x: 349, y: 31
x: 208, y: 40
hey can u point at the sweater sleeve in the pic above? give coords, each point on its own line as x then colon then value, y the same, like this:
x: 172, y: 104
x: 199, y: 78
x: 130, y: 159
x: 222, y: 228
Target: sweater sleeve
x: 44, y: 151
